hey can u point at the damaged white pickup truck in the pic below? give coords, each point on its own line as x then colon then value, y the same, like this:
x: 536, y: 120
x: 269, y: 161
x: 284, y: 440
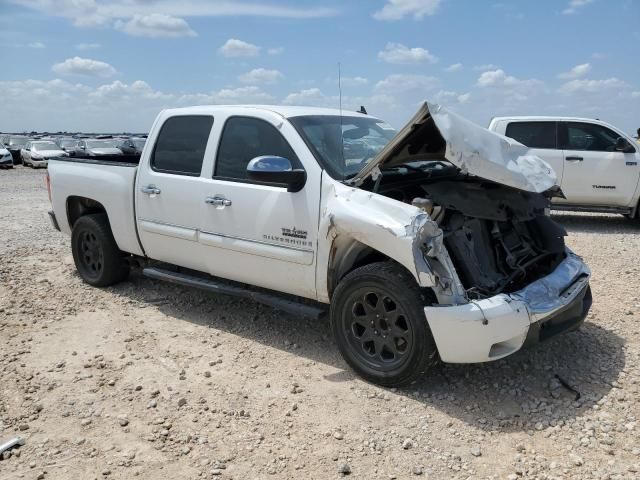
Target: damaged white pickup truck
x: 432, y: 243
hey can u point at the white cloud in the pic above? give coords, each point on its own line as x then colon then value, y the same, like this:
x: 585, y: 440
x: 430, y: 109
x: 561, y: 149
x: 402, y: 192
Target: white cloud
x: 36, y: 45
x: 575, y: 5
x: 498, y: 78
x: 275, y: 51
x: 396, y: 53
x: 398, y: 9
x: 592, y: 86
x: 309, y: 96
x: 119, y: 91
x: 448, y: 97
x: 84, y: 66
x: 259, y: 76
x: 88, y: 46
x: 456, y: 67
x: 238, y: 48
x: 464, y: 98
x: 635, y: 94
x: 401, y: 83
x: 242, y: 95
x: 577, y: 71
x: 91, y: 13
x: 155, y: 25
x: 485, y: 67
x: 354, y: 82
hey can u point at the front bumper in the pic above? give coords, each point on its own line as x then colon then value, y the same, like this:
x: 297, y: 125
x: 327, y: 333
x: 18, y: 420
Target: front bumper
x: 40, y: 162
x: 492, y: 328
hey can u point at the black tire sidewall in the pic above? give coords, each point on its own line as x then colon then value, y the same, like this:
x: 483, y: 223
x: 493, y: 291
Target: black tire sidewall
x: 401, y: 286
x: 115, y: 267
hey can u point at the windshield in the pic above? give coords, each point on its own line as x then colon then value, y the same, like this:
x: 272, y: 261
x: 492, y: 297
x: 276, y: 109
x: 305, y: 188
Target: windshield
x: 101, y: 144
x: 343, y: 155
x: 18, y: 141
x: 44, y: 146
x: 67, y: 143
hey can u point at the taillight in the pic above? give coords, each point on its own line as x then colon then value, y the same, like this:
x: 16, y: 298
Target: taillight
x: 47, y: 179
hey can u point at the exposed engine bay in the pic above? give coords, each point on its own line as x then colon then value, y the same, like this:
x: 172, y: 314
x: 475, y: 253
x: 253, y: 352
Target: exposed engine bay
x: 499, y: 238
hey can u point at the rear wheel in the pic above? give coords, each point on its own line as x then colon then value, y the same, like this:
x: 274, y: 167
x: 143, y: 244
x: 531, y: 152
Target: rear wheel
x: 378, y: 321
x: 98, y: 260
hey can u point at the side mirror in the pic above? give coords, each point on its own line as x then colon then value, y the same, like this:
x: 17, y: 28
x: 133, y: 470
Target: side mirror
x: 271, y: 169
x: 622, y: 145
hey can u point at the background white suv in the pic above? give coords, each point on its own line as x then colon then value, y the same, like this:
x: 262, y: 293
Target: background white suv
x: 597, y: 165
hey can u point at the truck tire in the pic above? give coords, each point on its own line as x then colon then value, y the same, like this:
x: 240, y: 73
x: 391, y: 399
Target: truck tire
x: 378, y: 321
x: 98, y: 260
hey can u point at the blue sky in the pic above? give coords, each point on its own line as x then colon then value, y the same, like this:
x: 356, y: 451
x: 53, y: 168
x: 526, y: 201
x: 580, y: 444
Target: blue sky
x: 111, y: 65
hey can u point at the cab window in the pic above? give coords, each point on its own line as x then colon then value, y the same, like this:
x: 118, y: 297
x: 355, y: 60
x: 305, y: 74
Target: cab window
x: 534, y: 134
x: 181, y: 144
x: 245, y: 138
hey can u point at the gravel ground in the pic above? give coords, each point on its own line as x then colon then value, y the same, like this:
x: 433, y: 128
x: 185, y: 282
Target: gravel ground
x: 151, y: 380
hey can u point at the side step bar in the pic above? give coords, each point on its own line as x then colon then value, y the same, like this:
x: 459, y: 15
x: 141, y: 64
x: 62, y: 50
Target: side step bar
x: 591, y: 208
x: 279, y: 301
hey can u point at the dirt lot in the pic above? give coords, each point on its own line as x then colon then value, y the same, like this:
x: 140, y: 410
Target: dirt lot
x: 154, y: 381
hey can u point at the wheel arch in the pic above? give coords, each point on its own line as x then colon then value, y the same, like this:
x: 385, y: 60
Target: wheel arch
x: 347, y: 254
x: 77, y: 206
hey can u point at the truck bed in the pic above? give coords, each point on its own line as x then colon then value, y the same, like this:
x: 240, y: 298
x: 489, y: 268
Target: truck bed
x: 109, y: 181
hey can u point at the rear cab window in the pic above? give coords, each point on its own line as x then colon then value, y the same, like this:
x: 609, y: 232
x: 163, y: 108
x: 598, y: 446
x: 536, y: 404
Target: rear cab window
x: 534, y: 134
x: 242, y: 140
x: 181, y: 145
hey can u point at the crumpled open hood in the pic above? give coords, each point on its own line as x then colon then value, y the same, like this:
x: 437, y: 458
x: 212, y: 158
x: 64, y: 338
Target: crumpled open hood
x: 437, y: 133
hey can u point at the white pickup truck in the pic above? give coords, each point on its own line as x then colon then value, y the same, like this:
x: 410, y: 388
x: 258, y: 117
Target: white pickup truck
x: 431, y: 243
x: 598, y: 165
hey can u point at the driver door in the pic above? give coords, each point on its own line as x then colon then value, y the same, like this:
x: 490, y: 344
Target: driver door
x: 258, y: 233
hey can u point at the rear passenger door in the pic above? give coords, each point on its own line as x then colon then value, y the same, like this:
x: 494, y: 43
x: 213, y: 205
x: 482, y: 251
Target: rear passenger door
x: 169, y: 191
x: 259, y: 233
x: 542, y: 138
x: 595, y: 172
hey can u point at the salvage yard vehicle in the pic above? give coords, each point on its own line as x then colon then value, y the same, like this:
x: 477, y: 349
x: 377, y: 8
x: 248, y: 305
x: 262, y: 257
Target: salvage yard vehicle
x: 6, y: 159
x: 431, y: 243
x: 38, y: 152
x: 69, y: 145
x: 131, y: 146
x: 97, y: 147
x: 598, y: 165
x: 15, y: 143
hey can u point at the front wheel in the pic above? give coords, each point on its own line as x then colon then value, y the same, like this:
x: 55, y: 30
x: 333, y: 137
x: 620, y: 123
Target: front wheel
x: 378, y: 321
x: 98, y: 260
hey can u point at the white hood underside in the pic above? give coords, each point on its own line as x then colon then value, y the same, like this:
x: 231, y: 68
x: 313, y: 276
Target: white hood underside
x: 474, y: 150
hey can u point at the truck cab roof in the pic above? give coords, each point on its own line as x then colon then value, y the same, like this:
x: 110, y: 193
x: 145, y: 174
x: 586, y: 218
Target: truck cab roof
x: 283, y: 111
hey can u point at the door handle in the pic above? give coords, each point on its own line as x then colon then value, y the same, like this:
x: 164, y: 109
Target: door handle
x: 218, y: 201
x: 574, y: 159
x: 150, y: 190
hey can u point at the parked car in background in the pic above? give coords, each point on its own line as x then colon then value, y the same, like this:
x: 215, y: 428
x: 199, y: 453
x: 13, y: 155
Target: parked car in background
x: 597, y: 164
x: 69, y: 145
x: 97, y: 147
x: 38, y: 152
x: 131, y: 146
x: 6, y: 159
x: 15, y: 143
